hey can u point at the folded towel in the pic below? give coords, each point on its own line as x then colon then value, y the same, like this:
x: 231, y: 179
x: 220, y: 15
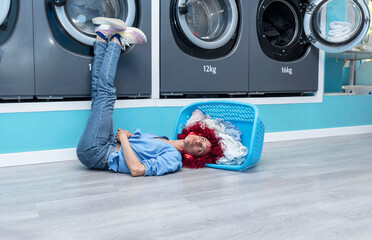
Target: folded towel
x: 339, y: 31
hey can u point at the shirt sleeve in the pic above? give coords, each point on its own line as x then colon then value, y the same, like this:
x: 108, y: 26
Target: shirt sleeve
x: 162, y: 164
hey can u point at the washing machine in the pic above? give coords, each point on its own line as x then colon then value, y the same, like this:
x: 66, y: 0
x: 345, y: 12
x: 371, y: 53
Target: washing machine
x: 64, y: 37
x: 204, y: 47
x: 286, y: 36
x: 16, y: 50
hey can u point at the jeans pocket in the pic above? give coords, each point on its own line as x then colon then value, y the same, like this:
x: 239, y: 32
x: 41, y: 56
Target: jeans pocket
x: 85, y: 160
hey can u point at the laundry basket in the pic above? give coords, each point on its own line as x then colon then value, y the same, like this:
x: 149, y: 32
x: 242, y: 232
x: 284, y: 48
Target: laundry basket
x: 243, y: 115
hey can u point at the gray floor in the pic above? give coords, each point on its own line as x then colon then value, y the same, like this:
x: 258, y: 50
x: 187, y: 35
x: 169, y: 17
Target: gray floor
x: 307, y: 189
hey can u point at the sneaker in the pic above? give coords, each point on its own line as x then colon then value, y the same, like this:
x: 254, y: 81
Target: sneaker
x: 106, y: 31
x: 109, y: 21
x: 131, y: 36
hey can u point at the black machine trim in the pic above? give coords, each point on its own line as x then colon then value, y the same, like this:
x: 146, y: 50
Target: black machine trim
x: 298, y: 45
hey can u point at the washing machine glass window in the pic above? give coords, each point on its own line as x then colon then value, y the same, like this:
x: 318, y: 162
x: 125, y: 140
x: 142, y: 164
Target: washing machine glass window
x: 81, y: 13
x: 279, y: 29
x: 206, y: 19
x: 336, y: 26
x: 76, y: 16
x: 4, y: 10
x: 281, y: 23
x: 208, y: 24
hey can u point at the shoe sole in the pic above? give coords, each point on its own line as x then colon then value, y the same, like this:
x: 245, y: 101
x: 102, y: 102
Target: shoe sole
x: 134, y: 36
x: 109, y: 21
x: 108, y: 30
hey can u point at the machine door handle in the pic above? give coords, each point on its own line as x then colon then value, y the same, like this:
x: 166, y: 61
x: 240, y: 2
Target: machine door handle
x: 183, y: 9
x: 4, y: 24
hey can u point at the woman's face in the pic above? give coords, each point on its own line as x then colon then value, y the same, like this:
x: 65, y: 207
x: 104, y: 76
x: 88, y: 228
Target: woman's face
x: 196, y: 146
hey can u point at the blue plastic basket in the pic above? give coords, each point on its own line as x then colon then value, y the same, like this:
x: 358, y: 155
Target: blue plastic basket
x: 243, y: 115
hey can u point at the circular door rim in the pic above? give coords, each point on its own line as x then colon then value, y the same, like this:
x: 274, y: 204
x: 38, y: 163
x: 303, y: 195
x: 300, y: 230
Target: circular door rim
x: 76, y: 34
x: 4, y: 10
x: 329, y: 47
x: 221, y: 41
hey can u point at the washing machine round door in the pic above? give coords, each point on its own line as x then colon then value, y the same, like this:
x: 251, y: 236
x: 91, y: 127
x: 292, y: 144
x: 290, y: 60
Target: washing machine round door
x: 76, y: 16
x: 336, y: 26
x: 208, y: 24
x: 4, y: 10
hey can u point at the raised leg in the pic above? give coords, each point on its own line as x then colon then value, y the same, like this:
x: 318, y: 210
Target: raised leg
x: 99, y: 52
x: 98, y: 139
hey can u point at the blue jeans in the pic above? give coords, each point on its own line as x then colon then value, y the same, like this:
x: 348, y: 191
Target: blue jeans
x: 98, y: 140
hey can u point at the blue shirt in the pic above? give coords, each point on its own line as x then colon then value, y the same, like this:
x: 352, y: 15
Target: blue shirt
x: 158, y: 156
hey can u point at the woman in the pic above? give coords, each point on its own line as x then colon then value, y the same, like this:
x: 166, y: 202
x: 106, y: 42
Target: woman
x: 139, y: 153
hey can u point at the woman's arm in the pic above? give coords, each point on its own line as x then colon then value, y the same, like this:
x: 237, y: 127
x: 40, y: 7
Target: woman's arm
x: 136, y: 168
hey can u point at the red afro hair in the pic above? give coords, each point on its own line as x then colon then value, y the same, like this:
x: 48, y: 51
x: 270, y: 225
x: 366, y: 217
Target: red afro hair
x: 215, y: 152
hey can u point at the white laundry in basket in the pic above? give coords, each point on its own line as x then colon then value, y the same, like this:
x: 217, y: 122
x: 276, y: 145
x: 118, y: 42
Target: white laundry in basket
x: 234, y: 151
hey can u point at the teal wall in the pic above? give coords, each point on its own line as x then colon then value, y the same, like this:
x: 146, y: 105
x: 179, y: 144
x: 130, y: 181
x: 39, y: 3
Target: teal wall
x: 36, y: 131
x: 334, y: 75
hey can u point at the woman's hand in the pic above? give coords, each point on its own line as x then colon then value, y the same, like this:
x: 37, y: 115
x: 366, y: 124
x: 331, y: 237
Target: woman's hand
x: 136, y: 168
x: 122, y: 133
